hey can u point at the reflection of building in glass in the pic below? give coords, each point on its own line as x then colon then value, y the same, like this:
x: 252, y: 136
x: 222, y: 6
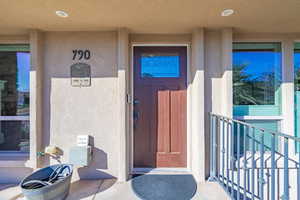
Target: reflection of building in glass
x: 8, y: 72
x: 14, y: 134
x: 24, y: 131
x: 23, y: 103
x: 2, y: 85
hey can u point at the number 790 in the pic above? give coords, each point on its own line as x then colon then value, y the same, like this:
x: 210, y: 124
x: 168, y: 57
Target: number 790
x: 81, y: 54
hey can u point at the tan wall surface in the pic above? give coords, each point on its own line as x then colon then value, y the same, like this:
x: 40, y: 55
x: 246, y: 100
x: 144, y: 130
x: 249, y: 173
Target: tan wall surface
x: 71, y: 111
x: 161, y: 38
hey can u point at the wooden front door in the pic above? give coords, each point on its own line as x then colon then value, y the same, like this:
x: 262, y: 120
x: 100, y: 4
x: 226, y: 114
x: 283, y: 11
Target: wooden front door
x: 160, y: 107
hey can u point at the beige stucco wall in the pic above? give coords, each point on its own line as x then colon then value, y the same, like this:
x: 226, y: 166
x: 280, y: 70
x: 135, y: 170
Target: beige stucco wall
x: 71, y: 111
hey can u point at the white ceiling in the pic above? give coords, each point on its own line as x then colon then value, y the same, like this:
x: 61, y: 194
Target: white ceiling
x: 149, y: 16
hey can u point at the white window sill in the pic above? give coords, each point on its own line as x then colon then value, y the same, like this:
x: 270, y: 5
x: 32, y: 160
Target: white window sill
x: 247, y: 117
x: 13, y: 159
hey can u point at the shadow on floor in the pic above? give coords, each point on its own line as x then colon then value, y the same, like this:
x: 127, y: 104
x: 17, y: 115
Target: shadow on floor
x: 89, y: 188
x: 232, y: 190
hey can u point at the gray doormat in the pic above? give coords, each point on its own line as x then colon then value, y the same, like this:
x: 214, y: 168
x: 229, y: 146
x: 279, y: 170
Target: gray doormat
x: 164, y: 187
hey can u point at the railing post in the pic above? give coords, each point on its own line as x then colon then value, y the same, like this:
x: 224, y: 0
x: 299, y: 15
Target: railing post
x: 227, y: 154
x: 273, y: 167
x: 232, y: 159
x: 213, y: 158
x: 286, y: 195
x: 238, y: 160
x: 245, y: 161
x: 223, y: 150
x: 253, y: 164
x: 261, y: 175
x: 211, y: 146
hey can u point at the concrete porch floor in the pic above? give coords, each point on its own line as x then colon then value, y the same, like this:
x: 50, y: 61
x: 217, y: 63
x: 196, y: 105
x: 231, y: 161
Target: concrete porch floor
x: 109, y: 189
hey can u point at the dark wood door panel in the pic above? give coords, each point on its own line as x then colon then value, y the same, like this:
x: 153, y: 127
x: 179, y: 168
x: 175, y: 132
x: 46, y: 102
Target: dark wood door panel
x: 144, y: 127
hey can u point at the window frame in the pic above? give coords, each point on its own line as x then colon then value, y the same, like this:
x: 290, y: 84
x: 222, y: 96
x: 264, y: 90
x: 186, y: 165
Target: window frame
x: 296, y: 49
x: 15, y: 47
x: 267, y: 110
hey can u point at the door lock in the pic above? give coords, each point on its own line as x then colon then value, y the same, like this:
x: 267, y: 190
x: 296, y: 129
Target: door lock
x: 136, y: 101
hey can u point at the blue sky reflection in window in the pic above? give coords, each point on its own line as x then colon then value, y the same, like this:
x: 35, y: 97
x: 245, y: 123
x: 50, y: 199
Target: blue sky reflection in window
x: 256, y: 73
x: 23, y: 64
x: 160, y: 65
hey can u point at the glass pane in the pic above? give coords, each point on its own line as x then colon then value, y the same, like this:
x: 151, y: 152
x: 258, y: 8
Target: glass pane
x: 14, y: 136
x: 160, y: 65
x: 256, y: 73
x: 14, y: 83
x: 297, y: 90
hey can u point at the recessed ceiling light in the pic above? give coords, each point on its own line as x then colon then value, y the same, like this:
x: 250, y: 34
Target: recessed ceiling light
x: 61, y: 13
x: 227, y: 12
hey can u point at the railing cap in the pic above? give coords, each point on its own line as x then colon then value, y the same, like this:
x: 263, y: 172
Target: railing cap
x: 262, y: 130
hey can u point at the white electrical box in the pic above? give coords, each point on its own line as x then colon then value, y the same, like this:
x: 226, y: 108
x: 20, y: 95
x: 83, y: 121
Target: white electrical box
x: 83, y: 140
x: 81, y: 156
x: 82, y: 153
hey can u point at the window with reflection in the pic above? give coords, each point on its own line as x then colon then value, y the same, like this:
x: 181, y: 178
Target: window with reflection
x: 14, y: 96
x: 297, y: 67
x: 256, y: 78
x: 297, y: 90
x: 257, y: 88
x: 160, y: 65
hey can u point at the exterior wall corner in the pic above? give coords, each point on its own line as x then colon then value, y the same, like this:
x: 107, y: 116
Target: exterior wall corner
x: 197, y: 114
x: 123, y: 66
x: 36, y: 97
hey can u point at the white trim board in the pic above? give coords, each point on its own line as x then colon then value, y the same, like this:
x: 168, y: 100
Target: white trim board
x: 248, y: 117
x: 14, y: 118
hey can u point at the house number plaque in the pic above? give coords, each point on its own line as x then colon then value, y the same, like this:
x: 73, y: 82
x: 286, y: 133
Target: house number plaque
x: 80, y: 75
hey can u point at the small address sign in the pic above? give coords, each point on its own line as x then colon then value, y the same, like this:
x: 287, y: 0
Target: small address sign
x: 79, y: 54
x: 81, y: 71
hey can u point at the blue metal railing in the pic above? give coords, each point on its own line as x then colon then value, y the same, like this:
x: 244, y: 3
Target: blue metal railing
x: 252, y: 162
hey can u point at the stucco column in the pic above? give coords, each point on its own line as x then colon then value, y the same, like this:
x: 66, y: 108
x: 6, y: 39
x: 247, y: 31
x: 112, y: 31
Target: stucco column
x: 197, y: 108
x: 287, y: 87
x: 226, y: 82
x: 123, y: 63
x: 36, y: 97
